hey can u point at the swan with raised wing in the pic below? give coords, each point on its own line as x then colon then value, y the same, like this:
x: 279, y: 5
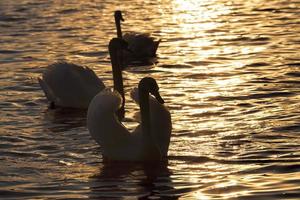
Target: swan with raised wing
x: 150, y: 139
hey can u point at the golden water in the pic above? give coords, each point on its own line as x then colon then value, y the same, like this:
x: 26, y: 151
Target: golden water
x: 228, y: 71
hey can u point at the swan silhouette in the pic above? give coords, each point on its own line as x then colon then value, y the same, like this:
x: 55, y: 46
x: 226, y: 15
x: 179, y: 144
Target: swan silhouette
x: 142, y: 45
x: 150, y: 139
x: 73, y: 86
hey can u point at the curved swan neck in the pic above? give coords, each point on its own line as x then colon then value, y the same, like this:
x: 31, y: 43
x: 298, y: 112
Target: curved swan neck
x: 117, y: 77
x: 151, y: 147
x: 118, y: 26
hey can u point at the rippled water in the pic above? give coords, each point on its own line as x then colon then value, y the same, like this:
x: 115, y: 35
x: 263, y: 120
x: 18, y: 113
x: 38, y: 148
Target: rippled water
x: 228, y: 70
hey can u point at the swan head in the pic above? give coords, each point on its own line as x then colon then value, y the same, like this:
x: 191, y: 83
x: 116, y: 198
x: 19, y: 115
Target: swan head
x: 150, y: 85
x: 118, y: 15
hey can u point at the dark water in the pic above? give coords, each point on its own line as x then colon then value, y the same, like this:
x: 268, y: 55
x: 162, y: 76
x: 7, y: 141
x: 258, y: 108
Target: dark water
x: 228, y: 70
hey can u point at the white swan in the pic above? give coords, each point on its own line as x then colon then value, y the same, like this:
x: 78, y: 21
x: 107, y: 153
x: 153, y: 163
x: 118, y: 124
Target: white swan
x: 70, y: 85
x: 142, y: 45
x: 148, y: 142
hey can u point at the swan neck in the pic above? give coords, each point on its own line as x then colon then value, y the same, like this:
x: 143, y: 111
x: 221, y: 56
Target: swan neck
x: 117, y: 78
x: 152, y: 150
x: 118, y: 26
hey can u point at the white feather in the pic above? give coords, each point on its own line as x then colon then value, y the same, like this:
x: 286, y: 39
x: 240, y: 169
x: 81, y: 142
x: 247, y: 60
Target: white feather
x: 116, y: 142
x: 69, y: 85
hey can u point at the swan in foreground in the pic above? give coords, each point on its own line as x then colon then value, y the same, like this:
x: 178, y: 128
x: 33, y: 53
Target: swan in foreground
x: 74, y: 86
x: 150, y: 139
x: 142, y: 45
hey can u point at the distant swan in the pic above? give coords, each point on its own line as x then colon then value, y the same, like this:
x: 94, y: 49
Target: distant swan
x: 142, y: 45
x: 148, y: 142
x: 74, y: 86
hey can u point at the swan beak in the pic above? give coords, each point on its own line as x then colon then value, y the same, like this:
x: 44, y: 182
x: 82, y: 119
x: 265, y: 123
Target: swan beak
x: 158, y: 97
x: 121, y: 17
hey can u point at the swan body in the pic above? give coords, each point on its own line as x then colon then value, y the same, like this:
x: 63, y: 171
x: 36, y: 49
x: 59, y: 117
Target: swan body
x: 142, y: 45
x: 74, y: 86
x: 70, y: 85
x: 150, y: 139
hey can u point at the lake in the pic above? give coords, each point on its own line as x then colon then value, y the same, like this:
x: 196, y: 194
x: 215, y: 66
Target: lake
x: 229, y: 72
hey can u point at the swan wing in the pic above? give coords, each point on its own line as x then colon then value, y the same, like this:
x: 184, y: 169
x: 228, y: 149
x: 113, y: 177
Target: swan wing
x: 47, y: 91
x: 70, y: 85
x: 116, y: 142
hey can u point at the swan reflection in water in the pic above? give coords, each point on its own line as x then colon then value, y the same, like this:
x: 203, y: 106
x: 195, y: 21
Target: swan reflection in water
x: 134, y: 180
